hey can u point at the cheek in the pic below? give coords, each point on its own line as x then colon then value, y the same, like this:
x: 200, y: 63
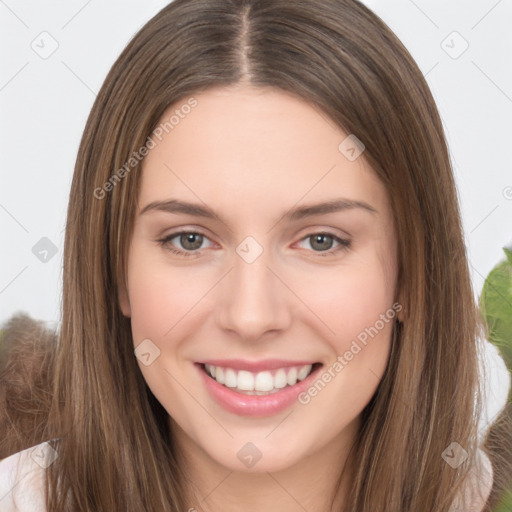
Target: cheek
x: 358, y: 306
x: 160, y: 295
x: 161, y: 303
x: 350, y: 299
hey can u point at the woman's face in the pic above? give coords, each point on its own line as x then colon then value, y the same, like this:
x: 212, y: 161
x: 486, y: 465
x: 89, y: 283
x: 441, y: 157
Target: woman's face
x: 266, y: 285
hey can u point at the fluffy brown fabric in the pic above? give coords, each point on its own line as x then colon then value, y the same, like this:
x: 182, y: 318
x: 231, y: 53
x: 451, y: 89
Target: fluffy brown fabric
x: 27, y: 349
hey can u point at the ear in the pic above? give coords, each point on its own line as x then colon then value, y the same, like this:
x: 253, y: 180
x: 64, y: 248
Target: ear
x: 124, y: 301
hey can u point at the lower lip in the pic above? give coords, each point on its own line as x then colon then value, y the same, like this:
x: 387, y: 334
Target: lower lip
x: 255, y: 405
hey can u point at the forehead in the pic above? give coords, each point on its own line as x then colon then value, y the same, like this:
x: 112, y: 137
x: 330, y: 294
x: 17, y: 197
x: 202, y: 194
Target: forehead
x: 260, y: 148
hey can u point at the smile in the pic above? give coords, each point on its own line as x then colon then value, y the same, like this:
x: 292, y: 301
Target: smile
x: 254, y: 389
x: 260, y: 383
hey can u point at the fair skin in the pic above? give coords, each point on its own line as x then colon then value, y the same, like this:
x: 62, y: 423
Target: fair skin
x: 251, y: 155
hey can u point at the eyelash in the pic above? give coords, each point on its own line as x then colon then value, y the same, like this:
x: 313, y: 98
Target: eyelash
x: 164, y: 242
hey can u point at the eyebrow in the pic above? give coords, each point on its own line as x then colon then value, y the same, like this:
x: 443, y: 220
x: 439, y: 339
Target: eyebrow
x: 297, y: 213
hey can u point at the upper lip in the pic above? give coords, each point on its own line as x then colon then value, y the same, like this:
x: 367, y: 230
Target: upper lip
x: 255, y: 366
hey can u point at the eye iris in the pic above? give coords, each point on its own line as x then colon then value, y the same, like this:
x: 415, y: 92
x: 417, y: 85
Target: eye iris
x: 321, y: 238
x: 189, y: 237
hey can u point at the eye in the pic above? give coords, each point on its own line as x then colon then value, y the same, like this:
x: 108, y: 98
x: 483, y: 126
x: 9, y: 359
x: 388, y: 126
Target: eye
x: 323, y: 241
x: 191, y: 241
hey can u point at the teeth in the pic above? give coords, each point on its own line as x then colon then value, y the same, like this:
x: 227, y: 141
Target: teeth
x: 230, y: 378
x: 280, y: 379
x: 243, y: 380
x: 292, y: 376
x: 218, y: 374
x: 303, y: 372
x: 264, y: 381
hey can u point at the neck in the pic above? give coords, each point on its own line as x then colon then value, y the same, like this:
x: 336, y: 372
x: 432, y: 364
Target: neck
x: 318, y: 482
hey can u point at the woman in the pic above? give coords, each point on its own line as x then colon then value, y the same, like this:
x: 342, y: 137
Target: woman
x: 255, y: 368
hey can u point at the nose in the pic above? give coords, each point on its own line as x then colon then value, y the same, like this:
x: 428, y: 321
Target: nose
x: 253, y: 300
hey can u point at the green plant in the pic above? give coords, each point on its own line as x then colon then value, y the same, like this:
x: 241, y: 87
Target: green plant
x: 496, y: 308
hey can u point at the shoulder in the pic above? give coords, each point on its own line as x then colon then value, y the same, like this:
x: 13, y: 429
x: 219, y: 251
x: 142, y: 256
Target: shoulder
x: 477, y: 486
x: 22, y: 479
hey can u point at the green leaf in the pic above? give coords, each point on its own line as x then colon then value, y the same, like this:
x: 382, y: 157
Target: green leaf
x: 505, y: 504
x: 496, y: 306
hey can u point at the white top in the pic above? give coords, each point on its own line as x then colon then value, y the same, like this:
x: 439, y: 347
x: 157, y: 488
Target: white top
x: 22, y: 474
x: 22, y: 480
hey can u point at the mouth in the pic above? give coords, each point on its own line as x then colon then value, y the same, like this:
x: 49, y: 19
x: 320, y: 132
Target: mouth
x: 260, y: 383
x: 257, y: 389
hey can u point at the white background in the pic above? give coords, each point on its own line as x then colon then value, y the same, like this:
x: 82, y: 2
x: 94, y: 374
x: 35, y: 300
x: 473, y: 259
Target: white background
x: 44, y: 104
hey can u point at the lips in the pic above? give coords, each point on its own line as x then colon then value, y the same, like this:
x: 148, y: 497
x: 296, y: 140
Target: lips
x: 256, y: 388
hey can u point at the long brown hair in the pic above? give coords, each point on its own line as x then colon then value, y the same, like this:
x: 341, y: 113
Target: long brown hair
x: 115, y: 450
